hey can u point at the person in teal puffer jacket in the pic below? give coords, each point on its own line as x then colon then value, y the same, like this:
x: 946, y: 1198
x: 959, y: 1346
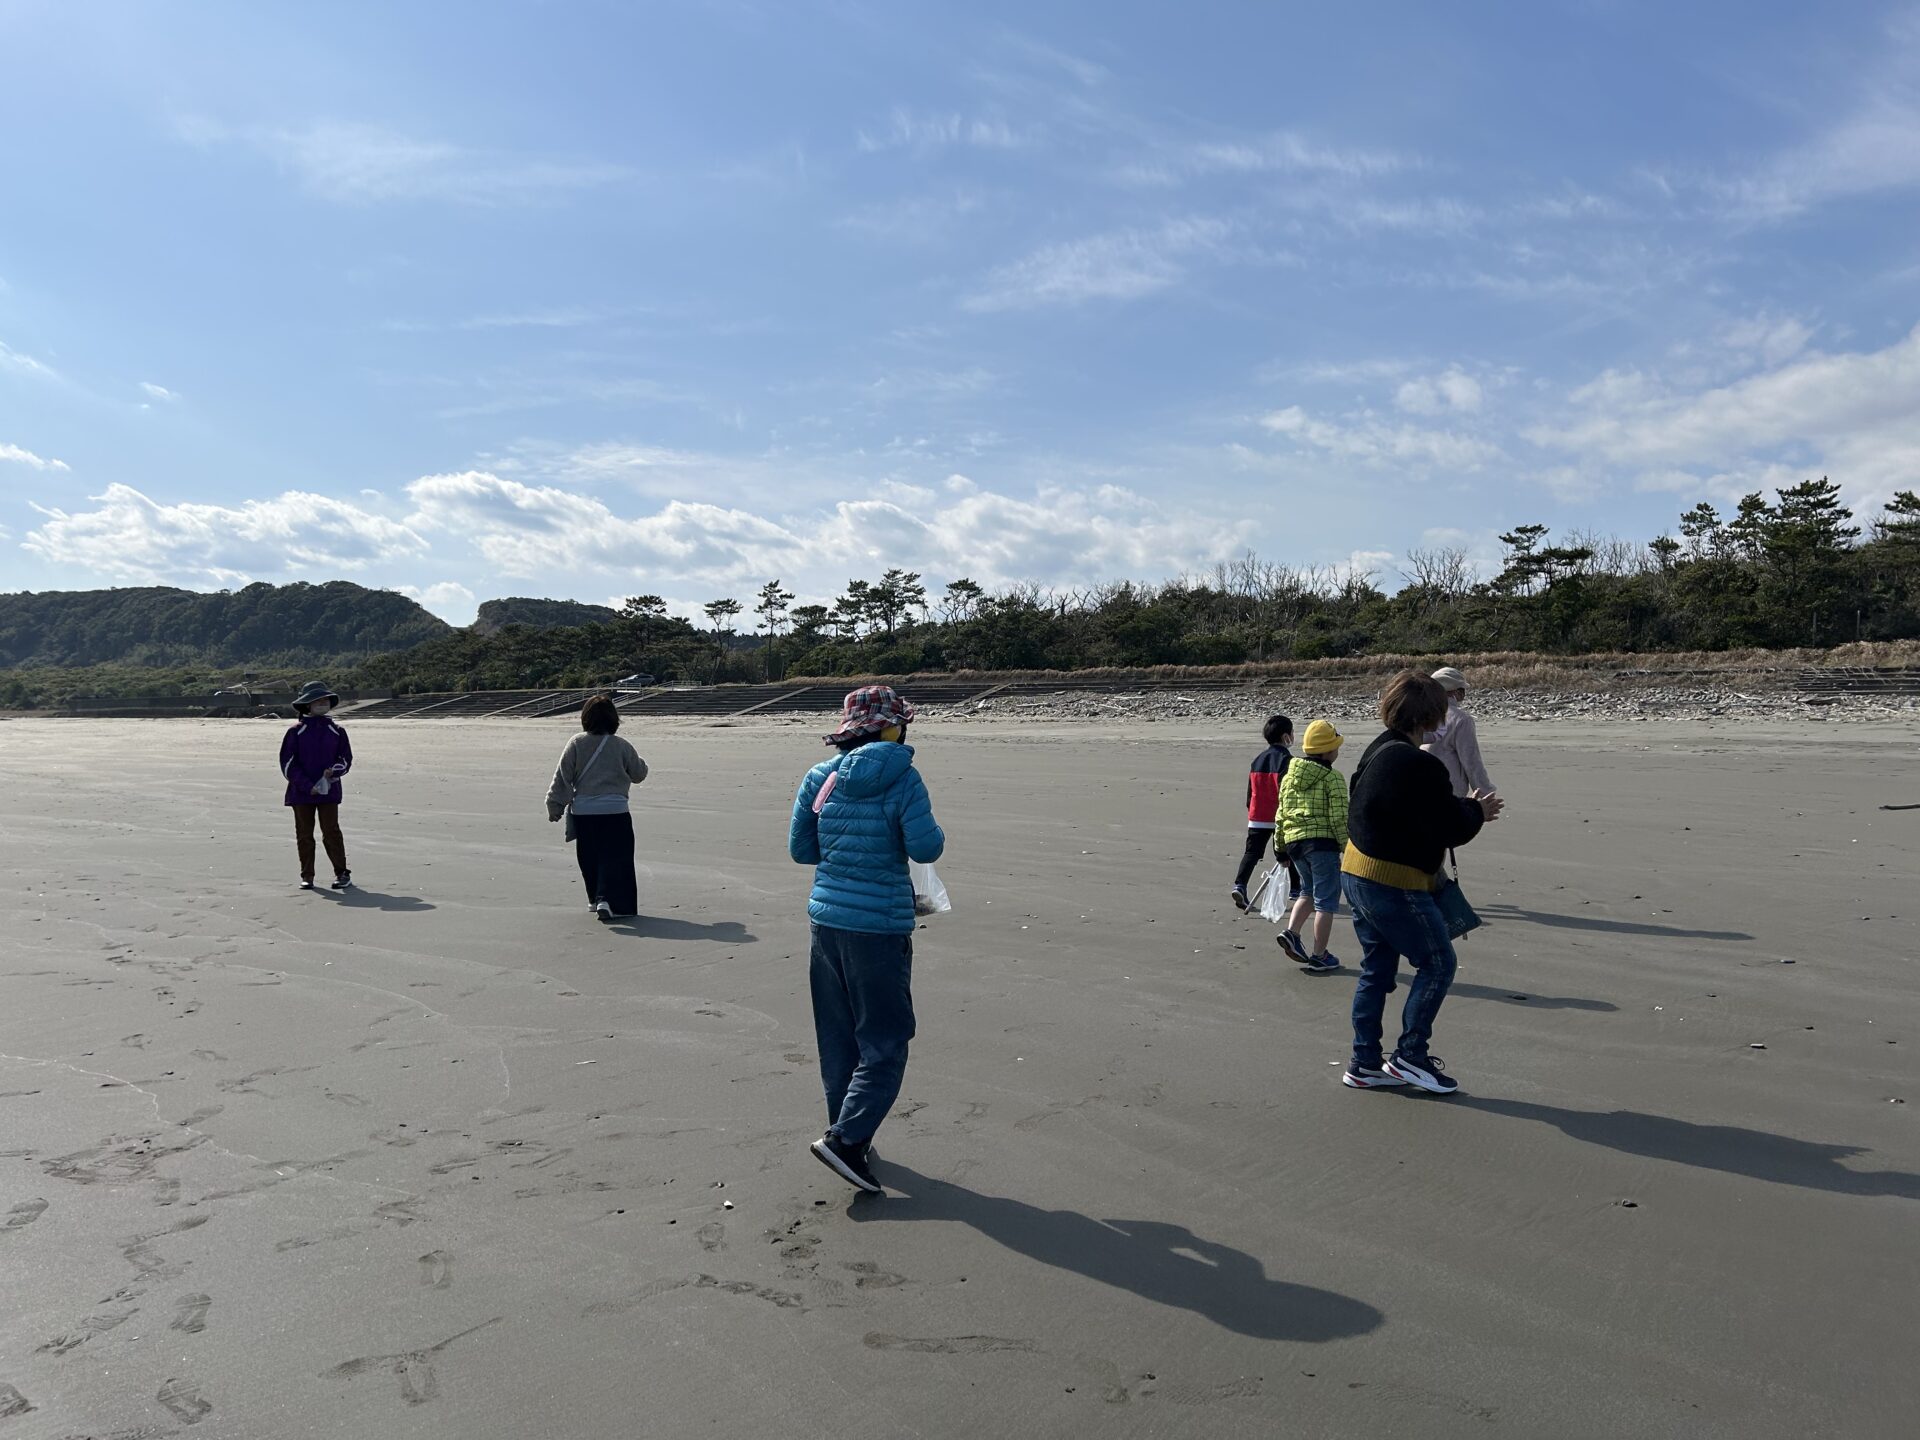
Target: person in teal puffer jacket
x: 858, y: 819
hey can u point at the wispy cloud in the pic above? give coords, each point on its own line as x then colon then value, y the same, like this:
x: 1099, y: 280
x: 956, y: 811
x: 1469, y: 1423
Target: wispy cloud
x: 1451, y: 390
x: 14, y: 454
x: 23, y: 364
x: 360, y: 164
x: 1282, y: 152
x: 1120, y: 265
x: 158, y: 392
x: 1873, y: 147
x: 1374, y: 442
x: 913, y: 130
x: 917, y: 219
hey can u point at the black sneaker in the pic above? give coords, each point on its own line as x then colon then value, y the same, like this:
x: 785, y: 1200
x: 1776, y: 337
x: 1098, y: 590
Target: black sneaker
x: 1428, y: 1073
x: 308, y: 885
x: 1239, y: 897
x: 1322, y: 964
x: 1370, y: 1077
x: 1290, y: 942
x: 343, y: 881
x: 849, y: 1162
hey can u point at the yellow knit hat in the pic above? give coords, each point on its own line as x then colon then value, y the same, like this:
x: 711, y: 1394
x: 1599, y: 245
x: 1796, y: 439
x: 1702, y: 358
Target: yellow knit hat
x: 1321, y: 739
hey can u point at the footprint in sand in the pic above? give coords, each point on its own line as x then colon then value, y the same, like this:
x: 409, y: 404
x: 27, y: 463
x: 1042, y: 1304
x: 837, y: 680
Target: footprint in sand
x: 712, y: 1235
x: 183, y: 1401
x: 190, y: 1314
x: 12, y: 1402
x: 23, y: 1215
x: 436, y: 1270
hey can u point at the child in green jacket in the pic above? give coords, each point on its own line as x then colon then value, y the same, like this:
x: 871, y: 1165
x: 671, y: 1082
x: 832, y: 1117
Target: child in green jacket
x: 1313, y: 826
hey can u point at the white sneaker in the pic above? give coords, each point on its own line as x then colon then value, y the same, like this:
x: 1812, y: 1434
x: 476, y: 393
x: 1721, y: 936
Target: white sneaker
x: 605, y: 912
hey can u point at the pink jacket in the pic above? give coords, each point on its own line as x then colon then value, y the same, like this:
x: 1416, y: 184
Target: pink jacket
x: 1458, y: 747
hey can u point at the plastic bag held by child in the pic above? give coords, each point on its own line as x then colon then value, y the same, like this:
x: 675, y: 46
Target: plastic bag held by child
x: 1274, y: 899
x: 929, y: 894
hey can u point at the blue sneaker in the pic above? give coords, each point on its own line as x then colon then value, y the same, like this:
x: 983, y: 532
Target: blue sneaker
x: 1322, y: 964
x: 1290, y: 942
x: 1428, y: 1073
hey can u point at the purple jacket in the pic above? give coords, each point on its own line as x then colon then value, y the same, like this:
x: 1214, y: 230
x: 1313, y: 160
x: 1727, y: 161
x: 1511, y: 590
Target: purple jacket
x: 311, y: 749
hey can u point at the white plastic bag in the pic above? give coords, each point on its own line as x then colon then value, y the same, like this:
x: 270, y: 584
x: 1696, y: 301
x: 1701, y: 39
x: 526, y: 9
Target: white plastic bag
x: 1273, y: 899
x: 929, y: 893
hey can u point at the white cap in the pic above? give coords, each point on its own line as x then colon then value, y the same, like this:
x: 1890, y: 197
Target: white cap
x: 1450, y: 679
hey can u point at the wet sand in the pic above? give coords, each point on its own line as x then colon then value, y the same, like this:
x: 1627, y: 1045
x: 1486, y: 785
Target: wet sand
x: 447, y: 1158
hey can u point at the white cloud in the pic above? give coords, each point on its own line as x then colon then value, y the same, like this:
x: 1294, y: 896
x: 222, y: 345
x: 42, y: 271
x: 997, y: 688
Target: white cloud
x: 1872, y: 148
x: 918, y: 219
x: 130, y: 537
x: 684, y: 549
x: 1453, y: 390
x: 15, y: 455
x: 1373, y: 442
x: 450, y: 600
x: 1852, y: 415
x: 361, y: 164
x: 11, y: 359
x: 158, y: 392
x: 1121, y: 265
x: 1283, y: 152
x: 909, y: 130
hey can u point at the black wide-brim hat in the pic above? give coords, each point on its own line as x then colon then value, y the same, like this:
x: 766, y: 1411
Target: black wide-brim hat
x: 311, y: 691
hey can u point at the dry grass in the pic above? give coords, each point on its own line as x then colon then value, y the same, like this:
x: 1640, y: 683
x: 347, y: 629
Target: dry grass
x: 1500, y: 670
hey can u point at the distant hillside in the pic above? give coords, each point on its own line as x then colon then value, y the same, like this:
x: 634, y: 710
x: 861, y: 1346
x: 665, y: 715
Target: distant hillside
x: 540, y: 614
x: 158, y: 625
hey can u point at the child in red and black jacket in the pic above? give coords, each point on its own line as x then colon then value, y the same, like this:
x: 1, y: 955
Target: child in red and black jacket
x: 1263, y: 804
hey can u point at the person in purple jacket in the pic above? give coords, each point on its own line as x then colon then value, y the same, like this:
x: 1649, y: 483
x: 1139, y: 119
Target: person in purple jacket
x: 313, y: 757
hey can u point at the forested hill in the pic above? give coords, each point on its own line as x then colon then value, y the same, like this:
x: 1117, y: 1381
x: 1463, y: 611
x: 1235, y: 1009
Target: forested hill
x: 261, y: 624
x: 539, y: 614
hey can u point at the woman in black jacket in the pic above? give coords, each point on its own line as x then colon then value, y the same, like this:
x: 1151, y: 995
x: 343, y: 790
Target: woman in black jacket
x: 1402, y: 820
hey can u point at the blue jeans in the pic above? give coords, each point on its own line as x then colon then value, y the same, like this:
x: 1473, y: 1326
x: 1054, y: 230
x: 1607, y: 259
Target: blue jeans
x: 862, y: 1020
x: 1390, y: 922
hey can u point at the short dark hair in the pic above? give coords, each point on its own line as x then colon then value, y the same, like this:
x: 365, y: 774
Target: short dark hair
x: 600, y: 716
x: 1413, y: 702
x: 1277, y: 728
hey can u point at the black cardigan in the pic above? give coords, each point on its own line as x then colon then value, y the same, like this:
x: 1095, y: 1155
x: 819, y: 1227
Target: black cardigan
x: 1403, y: 810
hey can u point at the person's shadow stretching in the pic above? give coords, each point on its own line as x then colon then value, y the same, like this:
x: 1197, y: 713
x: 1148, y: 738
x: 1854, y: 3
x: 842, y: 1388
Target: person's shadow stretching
x: 1161, y: 1262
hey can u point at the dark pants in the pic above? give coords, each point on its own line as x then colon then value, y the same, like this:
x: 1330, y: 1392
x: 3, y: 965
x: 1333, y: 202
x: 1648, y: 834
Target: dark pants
x: 862, y: 1020
x: 603, y: 844
x: 1257, y: 843
x: 1390, y: 922
x: 330, y: 836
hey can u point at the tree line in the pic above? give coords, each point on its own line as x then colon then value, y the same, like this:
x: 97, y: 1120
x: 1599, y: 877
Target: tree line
x: 1793, y: 570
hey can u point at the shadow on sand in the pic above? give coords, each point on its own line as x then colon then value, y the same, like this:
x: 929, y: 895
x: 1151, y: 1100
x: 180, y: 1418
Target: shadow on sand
x: 1520, y: 997
x: 358, y: 899
x: 1164, y: 1263
x: 660, y: 927
x: 1757, y: 1154
x: 1608, y: 927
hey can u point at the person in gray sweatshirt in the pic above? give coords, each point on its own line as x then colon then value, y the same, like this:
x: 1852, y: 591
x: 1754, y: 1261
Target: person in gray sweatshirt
x: 590, y: 787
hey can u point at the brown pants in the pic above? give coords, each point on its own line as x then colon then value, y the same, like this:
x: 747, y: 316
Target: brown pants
x: 329, y: 818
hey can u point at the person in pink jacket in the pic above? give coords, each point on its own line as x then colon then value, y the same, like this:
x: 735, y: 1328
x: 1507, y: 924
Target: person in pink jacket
x: 1456, y: 744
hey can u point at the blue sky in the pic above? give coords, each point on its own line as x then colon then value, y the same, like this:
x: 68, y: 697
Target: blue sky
x: 591, y: 299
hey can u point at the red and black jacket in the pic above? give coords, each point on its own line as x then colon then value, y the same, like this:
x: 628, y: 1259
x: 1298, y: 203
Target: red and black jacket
x: 1263, y: 786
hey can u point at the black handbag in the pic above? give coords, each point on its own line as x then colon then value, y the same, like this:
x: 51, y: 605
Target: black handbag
x: 1454, y: 909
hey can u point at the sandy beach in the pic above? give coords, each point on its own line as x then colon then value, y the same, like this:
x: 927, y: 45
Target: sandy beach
x: 445, y: 1157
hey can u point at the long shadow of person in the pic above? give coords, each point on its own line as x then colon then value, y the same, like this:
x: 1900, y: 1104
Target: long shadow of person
x: 358, y: 899
x: 1599, y: 923
x: 659, y: 927
x: 1165, y: 1263
x: 1754, y: 1153
x: 1515, y: 997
